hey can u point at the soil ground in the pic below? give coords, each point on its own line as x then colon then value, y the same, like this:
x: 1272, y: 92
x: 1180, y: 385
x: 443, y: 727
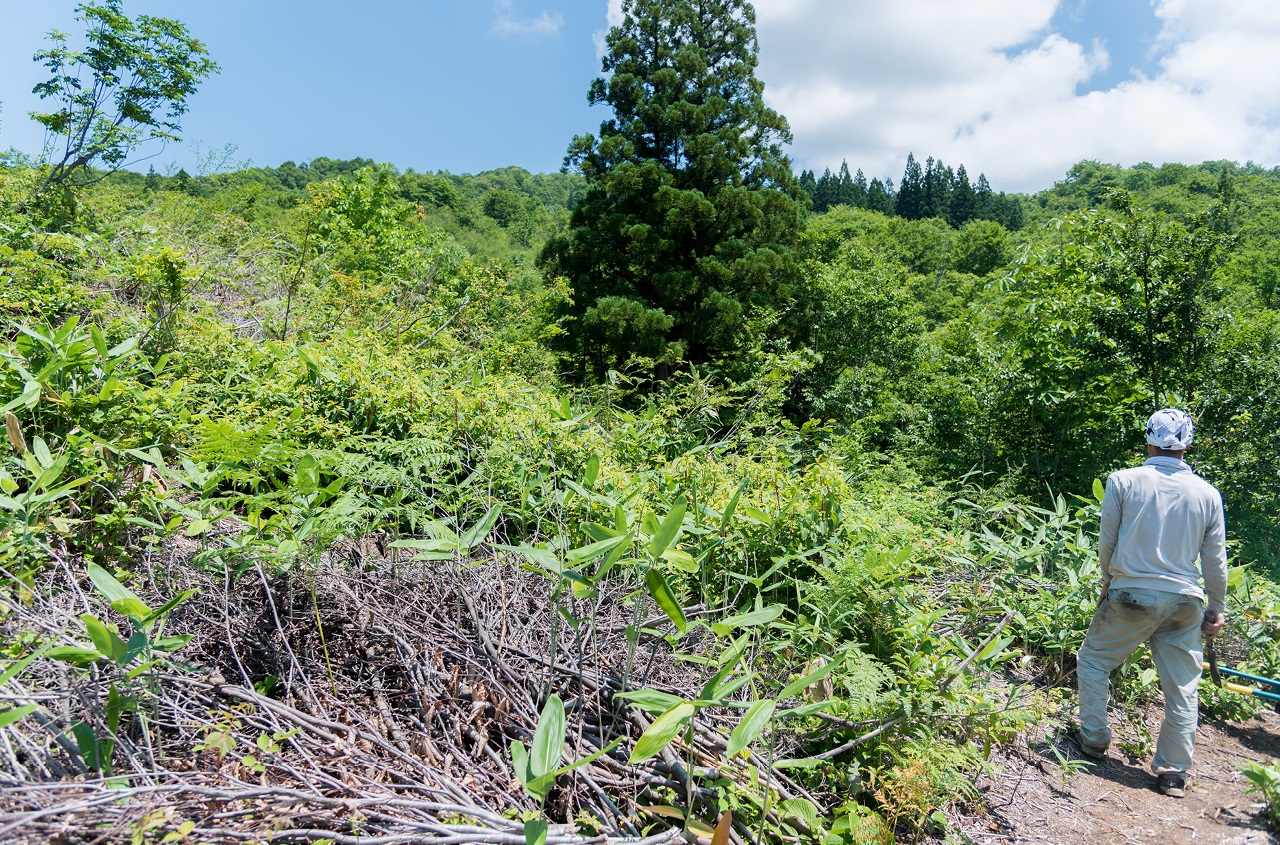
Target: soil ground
x: 1045, y: 791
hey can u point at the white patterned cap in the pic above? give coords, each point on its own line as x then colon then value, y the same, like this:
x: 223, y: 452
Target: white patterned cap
x: 1170, y: 429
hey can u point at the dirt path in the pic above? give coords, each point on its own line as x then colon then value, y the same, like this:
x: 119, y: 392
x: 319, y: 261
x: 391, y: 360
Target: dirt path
x: 1032, y: 797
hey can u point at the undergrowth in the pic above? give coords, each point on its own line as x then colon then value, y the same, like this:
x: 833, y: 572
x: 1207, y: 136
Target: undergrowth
x: 372, y: 382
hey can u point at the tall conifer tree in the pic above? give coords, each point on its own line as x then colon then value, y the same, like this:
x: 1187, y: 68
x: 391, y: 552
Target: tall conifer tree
x: 690, y: 213
x: 964, y: 202
x: 846, y: 191
x: 910, y: 200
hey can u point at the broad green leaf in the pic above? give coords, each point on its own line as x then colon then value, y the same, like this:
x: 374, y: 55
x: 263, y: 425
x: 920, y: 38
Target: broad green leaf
x: 8, y: 717
x: 63, y: 332
x: 665, y: 597
x: 110, y: 388
x: 727, y: 516
x: 520, y: 762
x: 75, y: 655
x: 762, y: 616
x: 197, y: 527
x: 306, y: 476
x: 535, y: 832
x: 803, y: 810
x: 729, y: 660
x: 430, y: 549
x: 994, y: 648
x: 149, y: 457
x: 599, y: 532
x: 808, y: 680
x: 478, y: 533
x: 577, y: 488
x: 137, y: 645
x: 99, y: 341
x: 29, y: 398
x: 807, y: 709
x: 611, y: 561
x: 727, y: 688
x: 104, y: 639
x: 668, y: 529
x: 733, y: 652
x: 171, y: 643
x: 650, y: 700
x: 596, y: 549
x: 133, y: 608
x: 663, y: 730
x: 91, y: 749
x: 752, y: 725
x: 681, y: 560
x: 123, y: 348
x: 1099, y: 490
x: 548, y: 738
x: 592, y: 471
x: 41, y: 450
x: 116, y: 594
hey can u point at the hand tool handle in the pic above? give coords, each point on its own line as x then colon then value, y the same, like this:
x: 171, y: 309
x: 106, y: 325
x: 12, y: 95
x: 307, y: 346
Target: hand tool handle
x: 1257, y: 679
x: 1240, y: 688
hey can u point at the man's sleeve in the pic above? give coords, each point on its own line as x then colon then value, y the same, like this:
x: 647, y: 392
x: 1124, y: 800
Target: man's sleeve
x: 1213, y: 557
x: 1109, y: 528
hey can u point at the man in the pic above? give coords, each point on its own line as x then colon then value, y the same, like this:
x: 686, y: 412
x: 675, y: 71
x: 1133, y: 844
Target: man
x: 1157, y: 519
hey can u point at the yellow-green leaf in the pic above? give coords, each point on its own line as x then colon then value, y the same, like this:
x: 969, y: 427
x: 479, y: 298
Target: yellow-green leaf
x: 665, y: 597
x: 663, y: 730
x: 668, y: 529
x: 751, y: 726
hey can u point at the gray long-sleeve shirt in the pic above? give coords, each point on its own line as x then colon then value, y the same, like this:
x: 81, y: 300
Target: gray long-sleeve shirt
x: 1157, y: 519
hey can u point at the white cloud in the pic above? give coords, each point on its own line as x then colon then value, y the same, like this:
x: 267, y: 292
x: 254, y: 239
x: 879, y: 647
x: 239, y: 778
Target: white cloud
x: 612, y: 18
x: 987, y: 83
x: 506, y: 22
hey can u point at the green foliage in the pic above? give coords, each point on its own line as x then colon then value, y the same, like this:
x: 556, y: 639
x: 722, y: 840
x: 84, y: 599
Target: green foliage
x: 38, y: 283
x: 688, y: 220
x: 324, y: 353
x: 129, y: 85
x: 982, y: 247
x: 856, y: 313
x: 1264, y: 781
x: 131, y: 659
x: 1116, y: 316
x: 1241, y: 425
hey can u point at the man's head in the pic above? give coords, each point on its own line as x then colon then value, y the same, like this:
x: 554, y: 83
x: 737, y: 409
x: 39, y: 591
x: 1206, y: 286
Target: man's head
x: 1169, y: 433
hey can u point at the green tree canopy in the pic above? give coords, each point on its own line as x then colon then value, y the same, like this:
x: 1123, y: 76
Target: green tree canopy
x: 128, y: 86
x: 690, y: 215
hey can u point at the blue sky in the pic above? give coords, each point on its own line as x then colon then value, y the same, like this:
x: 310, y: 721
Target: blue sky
x: 1128, y: 29
x: 434, y: 84
x: 1018, y: 89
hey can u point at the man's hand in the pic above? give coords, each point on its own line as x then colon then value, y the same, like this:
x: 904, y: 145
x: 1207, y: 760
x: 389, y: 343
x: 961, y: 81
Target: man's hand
x: 1103, y: 597
x: 1213, y: 623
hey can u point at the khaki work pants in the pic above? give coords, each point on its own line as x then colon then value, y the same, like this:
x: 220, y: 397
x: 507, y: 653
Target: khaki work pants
x: 1170, y: 624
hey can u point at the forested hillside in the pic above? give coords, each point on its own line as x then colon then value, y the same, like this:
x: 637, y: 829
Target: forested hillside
x: 651, y: 499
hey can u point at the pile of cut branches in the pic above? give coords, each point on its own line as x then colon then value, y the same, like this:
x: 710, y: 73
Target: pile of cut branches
x: 367, y: 700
